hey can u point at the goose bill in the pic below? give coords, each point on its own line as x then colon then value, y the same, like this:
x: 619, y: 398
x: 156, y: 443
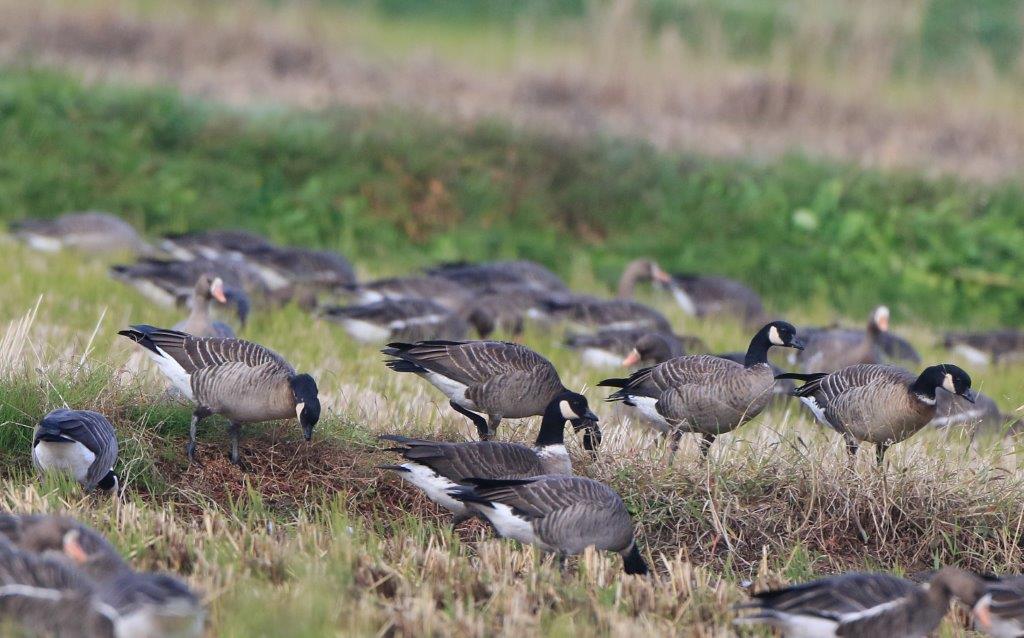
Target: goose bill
x: 631, y: 359
x: 217, y: 290
x: 970, y: 395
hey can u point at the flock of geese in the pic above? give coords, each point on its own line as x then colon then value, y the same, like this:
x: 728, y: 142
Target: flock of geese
x: 58, y: 574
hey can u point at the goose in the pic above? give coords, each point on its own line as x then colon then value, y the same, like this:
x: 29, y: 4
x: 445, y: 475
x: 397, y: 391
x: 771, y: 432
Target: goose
x: 830, y: 350
x: 508, y: 310
x: 563, y: 514
x: 499, y: 379
x: 612, y: 348
x: 703, y: 393
x: 783, y: 387
x: 708, y: 295
x: 91, y: 232
x: 199, y: 323
x: 65, y: 539
x: 878, y: 404
x: 243, y: 381
x: 496, y: 276
x: 857, y: 605
x: 999, y: 609
x: 436, y: 467
x: 640, y: 270
x: 282, y: 266
x: 980, y: 417
x: 608, y: 314
x: 80, y: 442
x: 983, y: 348
x: 397, y: 319
x: 445, y: 292
x: 214, y: 244
x: 171, y: 282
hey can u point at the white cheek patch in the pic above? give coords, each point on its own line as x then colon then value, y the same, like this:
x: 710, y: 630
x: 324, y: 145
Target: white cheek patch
x: 773, y: 336
x: 947, y: 383
x: 298, y: 410
x: 567, y: 412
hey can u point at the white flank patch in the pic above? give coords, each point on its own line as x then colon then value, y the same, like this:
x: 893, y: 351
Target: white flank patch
x: 399, y: 324
x: 72, y: 457
x: 598, y: 358
x: 452, y: 389
x: 30, y: 592
x: 175, y: 620
x: 508, y: 524
x: 647, y: 406
x: 797, y: 626
x: 365, y: 331
x: 433, y: 485
x: 684, y: 300
x: 273, y: 279
x: 173, y: 371
x: 627, y: 324
x: 873, y: 611
x: 816, y: 409
x: 44, y: 243
x: 959, y: 417
x: 177, y: 251
x: 369, y: 296
x: 974, y: 356
x: 536, y: 314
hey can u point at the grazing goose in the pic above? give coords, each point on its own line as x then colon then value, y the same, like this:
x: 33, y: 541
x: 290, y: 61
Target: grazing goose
x: 281, y: 266
x: 214, y: 244
x: 861, y: 605
x: 403, y: 319
x: 999, y: 609
x: 703, y: 393
x: 169, y: 283
x: 612, y: 348
x: 983, y: 416
x: 877, y: 403
x: 707, y: 295
x: 496, y: 276
x: 89, y: 232
x: 608, y: 314
x: 508, y: 310
x: 446, y: 292
x: 436, y: 467
x: 501, y: 380
x: 199, y: 323
x: 564, y: 514
x: 65, y: 539
x: 830, y: 350
x: 640, y: 270
x: 982, y: 348
x: 79, y: 442
x: 243, y: 381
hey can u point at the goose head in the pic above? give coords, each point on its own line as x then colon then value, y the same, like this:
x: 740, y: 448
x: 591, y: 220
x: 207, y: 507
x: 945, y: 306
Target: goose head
x: 650, y: 347
x: 210, y: 287
x: 879, y: 319
x: 967, y: 587
x: 307, y: 402
x: 782, y: 333
x: 574, y: 408
x: 947, y: 376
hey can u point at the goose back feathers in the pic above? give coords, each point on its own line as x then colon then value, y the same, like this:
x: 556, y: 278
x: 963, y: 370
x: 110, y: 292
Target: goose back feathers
x: 92, y: 232
x: 80, y: 442
x: 609, y: 314
x: 402, y: 319
x: 500, y: 275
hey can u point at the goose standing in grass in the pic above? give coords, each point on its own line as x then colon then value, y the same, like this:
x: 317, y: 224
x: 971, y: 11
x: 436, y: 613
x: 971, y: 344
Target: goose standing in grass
x: 508, y: 310
x: 199, y: 323
x: 243, y: 381
x: 877, y: 403
x: 862, y: 605
x: 89, y: 232
x: 436, y: 467
x: 287, y: 265
x: 709, y: 295
x: 169, y: 283
x: 80, y: 442
x: 401, y: 319
x: 999, y: 609
x: 830, y: 350
x: 563, y: 514
x: 495, y: 378
x: 705, y: 394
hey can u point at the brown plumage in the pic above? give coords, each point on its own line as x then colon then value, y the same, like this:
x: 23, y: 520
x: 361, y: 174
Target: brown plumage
x: 709, y: 295
x: 449, y: 294
x: 830, y: 350
x: 91, y: 231
x: 608, y: 314
x: 999, y: 609
x: 402, y: 319
x: 199, y: 323
x: 496, y: 276
x: 987, y: 347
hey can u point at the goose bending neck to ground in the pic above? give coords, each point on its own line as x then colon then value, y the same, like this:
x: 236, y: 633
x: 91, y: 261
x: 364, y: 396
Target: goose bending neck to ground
x: 199, y: 323
x: 80, y: 442
x: 564, y: 514
x: 241, y: 380
x: 499, y: 379
x: 877, y: 403
x: 437, y: 467
x: 862, y: 605
x: 703, y: 393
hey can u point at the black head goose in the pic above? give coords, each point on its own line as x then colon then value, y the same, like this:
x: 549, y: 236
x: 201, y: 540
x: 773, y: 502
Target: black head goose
x: 982, y: 348
x: 402, y: 319
x: 214, y: 244
x: 89, y: 232
x: 608, y: 314
x: 830, y: 350
x: 243, y: 381
x: 436, y: 467
x: 704, y: 393
x: 998, y: 609
x: 199, y: 323
x: 563, y: 514
x: 861, y: 605
x: 499, y: 379
x: 79, y: 442
x: 877, y: 403
x: 637, y: 271
x: 446, y: 292
x: 708, y: 295
x: 496, y: 276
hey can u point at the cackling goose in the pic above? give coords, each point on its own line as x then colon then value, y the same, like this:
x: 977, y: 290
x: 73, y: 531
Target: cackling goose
x: 397, y: 319
x: 878, y: 404
x: 499, y: 379
x: 704, y: 393
x: 243, y: 381
x: 199, y: 323
x: 79, y: 442
x: 861, y: 605
x: 563, y: 514
x: 89, y: 232
x: 436, y: 467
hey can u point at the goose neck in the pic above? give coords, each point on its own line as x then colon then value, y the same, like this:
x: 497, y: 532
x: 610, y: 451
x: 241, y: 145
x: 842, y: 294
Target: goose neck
x: 757, y: 353
x: 552, y: 427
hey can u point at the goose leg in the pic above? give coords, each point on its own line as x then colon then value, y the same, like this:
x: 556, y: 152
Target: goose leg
x: 705, y: 444
x: 852, y: 446
x: 235, y: 430
x: 880, y: 449
x: 478, y: 421
x: 198, y: 415
x: 492, y: 426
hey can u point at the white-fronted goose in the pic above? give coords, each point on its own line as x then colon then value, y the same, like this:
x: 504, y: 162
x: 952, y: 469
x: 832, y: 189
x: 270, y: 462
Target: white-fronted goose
x: 640, y: 270
x: 199, y: 323
x: 563, y: 514
x: 608, y: 314
x: 708, y: 295
x: 877, y: 403
x: 704, y: 393
x: 980, y: 417
x: 79, y: 442
x: 496, y: 276
x: 436, y: 467
x: 612, y: 348
x: 402, y: 319
x: 89, y: 232
x: 830, y: 350
x: 999, y: 610
x: 170, y: 283
x: 281, y: 266
x: 499, y: 379
x: 446, y: 292
x: 243, y: 381
x: 65, y: 539
x: 508, y: 310
x: 982, y: 348
x: 861, y: 605
x: 214, y: 244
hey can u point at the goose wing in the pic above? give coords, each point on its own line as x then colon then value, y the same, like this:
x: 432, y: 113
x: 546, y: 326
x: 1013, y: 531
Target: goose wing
x: 1006, y: 602
x: 195, y: 353
x: 459, y: 461
x: 470, y: 362
x: 92, y: 430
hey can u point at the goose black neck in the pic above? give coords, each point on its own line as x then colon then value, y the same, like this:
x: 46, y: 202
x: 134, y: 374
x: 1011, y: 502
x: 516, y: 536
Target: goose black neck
x: 633, y: 562
x: 552, y: 426
x: 923, y: 386
x: 758, y: 350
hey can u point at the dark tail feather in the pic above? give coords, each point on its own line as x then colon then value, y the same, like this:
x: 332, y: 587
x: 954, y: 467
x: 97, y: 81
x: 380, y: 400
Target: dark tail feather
x: 634, y: 563
x: 140, y: 335
x: 393, y: 468
x: 490, y: 484
x: 613, y: 383
x: 401, y: 365
x: 813, y: 376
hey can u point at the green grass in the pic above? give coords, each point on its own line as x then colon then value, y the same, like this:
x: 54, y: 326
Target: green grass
x: 394, y: 191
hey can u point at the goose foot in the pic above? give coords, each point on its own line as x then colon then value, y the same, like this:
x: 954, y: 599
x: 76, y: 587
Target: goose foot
x: 478, y: 421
